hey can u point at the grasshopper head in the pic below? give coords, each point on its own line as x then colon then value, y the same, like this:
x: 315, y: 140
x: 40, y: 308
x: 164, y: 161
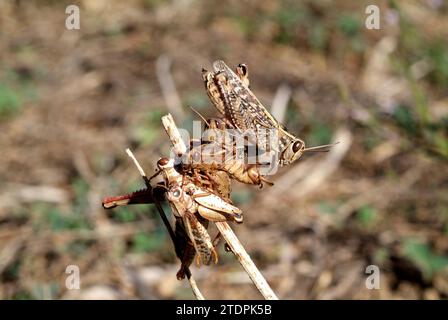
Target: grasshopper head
x: 292, y: 152
x: 165, y: 163
x: 243, y: 72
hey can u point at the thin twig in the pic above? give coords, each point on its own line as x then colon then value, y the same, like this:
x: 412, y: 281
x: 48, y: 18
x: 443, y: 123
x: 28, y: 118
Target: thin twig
x: 139, y: 167
x: 173, y: 133
x: 230, y: 237
x: 172, y: 99
x: 193, y: 284
x: 280, y: 102
x: 245, y: 261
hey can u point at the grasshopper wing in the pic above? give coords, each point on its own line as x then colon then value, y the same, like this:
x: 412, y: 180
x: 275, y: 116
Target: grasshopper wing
x: 185, y: 250
x: 243, y: 107
x: 200, y: 238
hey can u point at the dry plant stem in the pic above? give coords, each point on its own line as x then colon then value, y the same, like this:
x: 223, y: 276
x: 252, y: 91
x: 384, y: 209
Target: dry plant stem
x: 193, y: 285
x: 173, y: 133
x: 225, y: 230
x: 166, y: 81
x: 244, y: 259
x: 280, y: 102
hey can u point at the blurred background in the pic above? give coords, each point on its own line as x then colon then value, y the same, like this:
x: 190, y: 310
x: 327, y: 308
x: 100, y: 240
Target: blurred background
x: 72, y: 101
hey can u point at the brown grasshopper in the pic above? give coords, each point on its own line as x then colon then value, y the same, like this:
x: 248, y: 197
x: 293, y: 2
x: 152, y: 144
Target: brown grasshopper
x: 217, y: 155
x: 193, y: 207
x: 208, y: 205
x: 195, y: 200
x: 217, y: 182
x: 230, y: 94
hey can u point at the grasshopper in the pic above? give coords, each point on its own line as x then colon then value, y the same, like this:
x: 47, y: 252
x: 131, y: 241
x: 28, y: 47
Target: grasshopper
x: 193, y: 207
x: 210, y: 158
x: 195, y: 200
x: 232, y: 97
x: 216, y: 156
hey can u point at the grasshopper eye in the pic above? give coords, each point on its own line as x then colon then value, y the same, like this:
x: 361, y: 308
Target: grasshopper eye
x: 242, y: 69
x: 297, y: 146
x: 162, y: 162
x: 176, y: 193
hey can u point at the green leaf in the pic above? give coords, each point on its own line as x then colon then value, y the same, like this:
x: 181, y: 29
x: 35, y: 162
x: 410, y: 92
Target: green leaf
x: 441, y: 143
x: 80, y: 189
x: 144, y: 242
x: 318, y: 36
x: 349, y: 25
x: 438, y: 55
x: 10, y: 102
x: 148, y: 130
x: 405, y: 119
x: 366, y: 215
x: 59, y: 221
x: 320, y: 134
x: 125, y: 214
x: 327, y: 207
x: 423, y: 256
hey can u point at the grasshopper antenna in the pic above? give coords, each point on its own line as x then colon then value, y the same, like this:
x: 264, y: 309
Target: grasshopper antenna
x: 155, y: 175
x: 200, y: 115
x: 322, y: 148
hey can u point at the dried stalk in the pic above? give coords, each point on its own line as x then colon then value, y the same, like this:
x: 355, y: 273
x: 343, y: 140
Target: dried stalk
x: 173, y: 133
x: 280, y: 102
x: 166, y: 81
x: 225, y: 230
x: 193, y: 285
x: 245, y: 261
